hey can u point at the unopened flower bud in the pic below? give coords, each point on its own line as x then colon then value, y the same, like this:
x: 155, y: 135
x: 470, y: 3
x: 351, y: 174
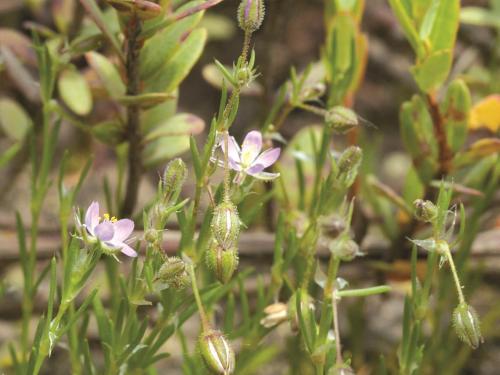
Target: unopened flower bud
x: 244, y: 75
x: 425, y: 211
x: 276, y: 313
x: 173, y: 178
x: 344, y: 248
x: 153, y: 237
x: 348, y: 165
x: 251, y: 14
x: 341, y: 119
x: 216, y: 352
x: 332, y: 227
x: 314, y: 92
x: 223, y: 262
x: 144, y: 9
x: 174, y: 273
x: 226, y: 224
x: 466, y: 323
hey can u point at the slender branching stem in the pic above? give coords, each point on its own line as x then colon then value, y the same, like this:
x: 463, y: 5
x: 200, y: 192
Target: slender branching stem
x: 460, y: 293
x: 203, y: 316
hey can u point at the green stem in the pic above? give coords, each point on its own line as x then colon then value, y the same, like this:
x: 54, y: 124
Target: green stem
x: 461, y: 298
x: 203, y: 316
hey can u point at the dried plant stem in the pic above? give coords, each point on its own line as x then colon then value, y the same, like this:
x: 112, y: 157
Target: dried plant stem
x: 135, y: 165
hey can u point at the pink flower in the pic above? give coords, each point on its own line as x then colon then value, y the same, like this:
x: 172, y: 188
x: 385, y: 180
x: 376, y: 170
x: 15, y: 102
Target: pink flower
x: 249, y: 160
x: 111, y: 232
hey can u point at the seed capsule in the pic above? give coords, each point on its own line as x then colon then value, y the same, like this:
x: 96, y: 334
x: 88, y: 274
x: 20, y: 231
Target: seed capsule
x: 173, y: 272
x: 222, y: 262
x: 216, y: 352
x: 226, y: 224
x: 425, y: 211
x: 466, y: 323
x: 251, y: 14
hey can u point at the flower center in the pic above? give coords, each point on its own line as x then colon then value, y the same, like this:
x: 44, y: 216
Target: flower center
x: 107, y: 217
x: 248, y: 156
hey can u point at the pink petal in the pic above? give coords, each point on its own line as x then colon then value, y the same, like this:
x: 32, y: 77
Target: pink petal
x: 252, y: 144
x: 127, y: 250
x: 104, y: 231
x: 233, y: 155
x: 254, y: 169
x: 268, y: 157
x: 123, y: 229
x: 92, y: 217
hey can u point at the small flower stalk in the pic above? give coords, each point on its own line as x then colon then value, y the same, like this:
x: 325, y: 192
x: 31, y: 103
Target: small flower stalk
x: 467, y: 326
x: 216, y: 352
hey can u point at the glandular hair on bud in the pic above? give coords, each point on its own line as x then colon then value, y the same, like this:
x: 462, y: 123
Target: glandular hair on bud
x: 341, y: 119
x: 225, y: 224
x: 174, y: 273
x: 425, y: 211
x: 216, y: 352
x: 222, y: 262
x: 466, y: 324
x: 251, y: 15
x: 348, y: 165
x: 173, y: 178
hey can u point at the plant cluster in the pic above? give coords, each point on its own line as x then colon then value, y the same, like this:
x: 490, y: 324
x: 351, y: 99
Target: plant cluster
x: 319, y: 187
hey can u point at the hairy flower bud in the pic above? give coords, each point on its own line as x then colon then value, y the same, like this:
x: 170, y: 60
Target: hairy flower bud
x: 466, y: 323
x: 174, y: 273
x: 341, y: 119
x: 226, y: 224
x: 223, y: 262
x: 251, y: 14
x: 276, y: 313
x: 216, y: 352
x: 348, y: 165
x: 425, y: 211
x: 344, y: 248
x: 173, y: 178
